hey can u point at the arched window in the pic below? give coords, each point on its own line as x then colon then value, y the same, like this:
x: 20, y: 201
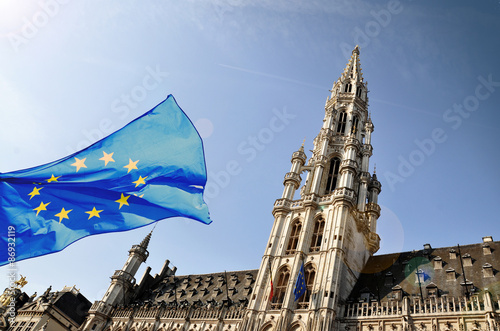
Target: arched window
x: 280, y: 288
x: 358, y: 91
x: 341, y: 123
x: 333, y: 175
x: 355, y: 122
x: 268, y: 327
x: 310, y: 273
x: 319, y: 227
x: 348, y: 88
x: 294, y: 237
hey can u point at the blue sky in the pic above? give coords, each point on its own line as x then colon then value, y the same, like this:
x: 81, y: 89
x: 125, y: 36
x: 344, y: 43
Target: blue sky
x: 72, y: 72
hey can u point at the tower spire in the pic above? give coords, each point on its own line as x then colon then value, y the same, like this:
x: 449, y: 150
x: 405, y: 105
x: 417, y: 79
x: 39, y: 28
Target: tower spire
x: 145, y: 242
x: 352, y: 72
x: 336, y: 213
x: 351, y: 81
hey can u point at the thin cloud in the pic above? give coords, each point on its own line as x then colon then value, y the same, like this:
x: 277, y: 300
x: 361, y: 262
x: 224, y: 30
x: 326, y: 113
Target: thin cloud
x: 272, y: 76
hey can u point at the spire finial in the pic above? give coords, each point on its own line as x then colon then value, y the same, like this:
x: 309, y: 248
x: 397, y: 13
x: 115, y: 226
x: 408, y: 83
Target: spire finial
x: 356, y: 50
x: 374, y: 168
x: 145, y: 242
x: 301, y: 149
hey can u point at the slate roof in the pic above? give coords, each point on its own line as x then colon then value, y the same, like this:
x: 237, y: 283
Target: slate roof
x: 201, y: 290
x: 71, y: 303
x: 440, y: 271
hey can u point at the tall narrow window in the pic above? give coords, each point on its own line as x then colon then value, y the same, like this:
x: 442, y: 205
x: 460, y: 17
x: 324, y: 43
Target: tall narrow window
x: 294, y: 237
x: 355, y: 122
x: 280, y: 288
x: 333, y: 175
x: 310, y: 273
x: 358, y: 91
x: 317, y: 237
x: 341, y: 123
x: 348, y: 88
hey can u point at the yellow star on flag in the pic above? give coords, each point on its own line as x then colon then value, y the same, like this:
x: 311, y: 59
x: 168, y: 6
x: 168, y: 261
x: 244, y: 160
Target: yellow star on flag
x: 140, y: 196
x: 79, y: 163
x: 43, y: 206
x: 63, y: 214
x: 52, y: 179
x: 123, y: 200
x: 131, y: 165
x: 36, y: 191
x: 140, y: 181
x: 93, y: 213
x: 107, y: 158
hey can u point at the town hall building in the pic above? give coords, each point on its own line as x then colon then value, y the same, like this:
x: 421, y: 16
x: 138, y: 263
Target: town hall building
x: 325, y: 227
x: 330, y: 235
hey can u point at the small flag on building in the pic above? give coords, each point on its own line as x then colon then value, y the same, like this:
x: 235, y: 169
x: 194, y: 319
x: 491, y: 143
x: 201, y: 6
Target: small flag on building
x: 151, y: 169
x: 272, y: 291
x: 300, y: 284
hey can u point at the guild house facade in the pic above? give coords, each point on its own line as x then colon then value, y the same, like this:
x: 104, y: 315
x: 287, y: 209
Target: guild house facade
x: 331, y: 230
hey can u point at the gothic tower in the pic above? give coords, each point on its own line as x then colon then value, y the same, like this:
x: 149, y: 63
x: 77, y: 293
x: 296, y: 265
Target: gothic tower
x: 121, y: 288
x: 331, y: 228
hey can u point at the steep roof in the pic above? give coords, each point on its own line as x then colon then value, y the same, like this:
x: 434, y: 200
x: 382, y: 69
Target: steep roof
x: 440, y: 271
x: 69, y: 301
x: 204, y: 289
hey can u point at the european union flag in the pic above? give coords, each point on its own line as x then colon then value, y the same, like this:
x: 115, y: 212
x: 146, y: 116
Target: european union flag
x: 300, y: 284
x: 151, y: 169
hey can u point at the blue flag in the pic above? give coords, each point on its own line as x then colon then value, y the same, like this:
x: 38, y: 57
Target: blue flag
x: 300, y: 284
x: 151, y: 169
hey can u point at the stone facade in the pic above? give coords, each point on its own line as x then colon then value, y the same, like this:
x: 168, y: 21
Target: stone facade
x: 52, y: 311
x: 328, y: 228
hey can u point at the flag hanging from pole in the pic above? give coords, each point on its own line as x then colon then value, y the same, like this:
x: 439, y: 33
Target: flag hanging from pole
x: 300, y: 284
x: 151, y: 169
x: 272, y: 290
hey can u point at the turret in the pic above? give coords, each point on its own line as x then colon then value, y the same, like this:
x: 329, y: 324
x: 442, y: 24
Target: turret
x: 121, y: 288
x: 372, y: 208
x: 292, y: 179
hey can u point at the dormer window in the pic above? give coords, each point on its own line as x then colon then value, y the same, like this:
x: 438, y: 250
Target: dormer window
x: 420, y: 276
x: 486, y: 249
x: 193, y: 291
x: 487, y: 270
x: 389, y: 279
x: 451, y: 274
x: 348, y: 88
x: 432, y: 290
x: 397, y: 292
x: 438, y: 263
x: 467, y: 260
x: 249, y: 279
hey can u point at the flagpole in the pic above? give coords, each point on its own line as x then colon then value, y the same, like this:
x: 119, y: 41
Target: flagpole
x: 271, y: 277
x: 175, y: 292
x: 419, y: 284
x: 463, y: 273
x: 227, y: 291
